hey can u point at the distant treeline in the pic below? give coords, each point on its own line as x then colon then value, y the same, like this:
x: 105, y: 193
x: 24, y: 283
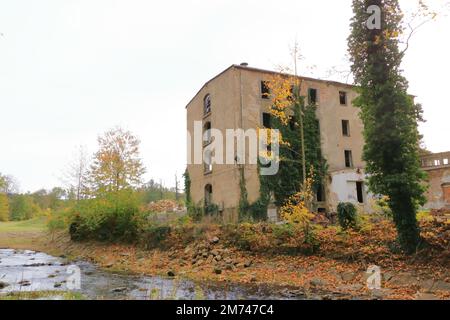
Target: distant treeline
x: 23, y: 206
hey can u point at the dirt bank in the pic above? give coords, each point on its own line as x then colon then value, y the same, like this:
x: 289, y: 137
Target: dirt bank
x: 212, y: 258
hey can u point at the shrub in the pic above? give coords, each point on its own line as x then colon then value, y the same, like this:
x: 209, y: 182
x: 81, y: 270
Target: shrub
x: 57, y: 221
x: 212, y: 209
x: 347, y: 215
x: 283, y: 232
x: 424, y: 216
x: 77, y: 229
x: 382, y: 206
x: 296, y: 212
x: 246, y: 236
x: 195, y: 211
x: 108, y: 218
x: 365, y: 222
x: 258, y: 210
x: 153, y: 235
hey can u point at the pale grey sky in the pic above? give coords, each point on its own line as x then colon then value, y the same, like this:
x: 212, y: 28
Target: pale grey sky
x: 71, y: 69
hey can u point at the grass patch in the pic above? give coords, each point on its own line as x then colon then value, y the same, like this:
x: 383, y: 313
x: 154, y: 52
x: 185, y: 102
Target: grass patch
x: 32, y: 225
x: 28, y: 234
x: 42, y: 295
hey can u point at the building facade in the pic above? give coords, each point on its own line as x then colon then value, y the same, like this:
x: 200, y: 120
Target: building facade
x: 437, y: 166
x: 237, y: 98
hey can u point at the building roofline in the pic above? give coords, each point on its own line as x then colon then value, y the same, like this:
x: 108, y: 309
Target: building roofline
x: 292, y: 75
x: 435, y: 154
x: 247, y: 68
x: 207, y: 82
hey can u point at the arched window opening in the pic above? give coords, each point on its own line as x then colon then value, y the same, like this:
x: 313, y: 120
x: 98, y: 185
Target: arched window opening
x: 207, y: 133
x: 206, y: 104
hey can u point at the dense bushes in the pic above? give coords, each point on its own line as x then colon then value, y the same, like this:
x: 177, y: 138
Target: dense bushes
x: 117, y: 217
x: 347, y: 215
x: 57, y: 221
x: 269, y: 238
x: 197, y: 211
x: 153, y: 235
x: 108, y: 218
x: 211, y: 209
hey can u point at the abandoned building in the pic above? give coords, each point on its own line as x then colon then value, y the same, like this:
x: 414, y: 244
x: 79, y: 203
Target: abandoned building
x: 237, y: 98
x: 437, y: 165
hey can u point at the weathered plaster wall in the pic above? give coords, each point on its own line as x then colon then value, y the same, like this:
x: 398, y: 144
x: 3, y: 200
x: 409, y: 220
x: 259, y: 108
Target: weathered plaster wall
x: 342, y: 188
x: 438, y: 193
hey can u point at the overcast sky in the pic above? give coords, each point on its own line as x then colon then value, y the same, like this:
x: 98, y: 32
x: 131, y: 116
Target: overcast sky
x: 70, y: 70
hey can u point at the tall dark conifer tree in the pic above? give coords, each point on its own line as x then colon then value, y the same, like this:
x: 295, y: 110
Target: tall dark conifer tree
x: 389, y: 114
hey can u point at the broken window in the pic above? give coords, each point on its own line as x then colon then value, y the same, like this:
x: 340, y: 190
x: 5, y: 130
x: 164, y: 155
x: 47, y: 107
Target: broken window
x: 208, y: 195
x: 348, y: 159
x: 207, y: 161
x: 345, y: 128
x: 320, y: 194
x: 294, y: 92
x: 267, y: 121
x: 343, y: 97
x: 312, y: 96
x: 265, y: 90
x: 207, y: 133
x: 359, y: 191
x: 206, y: 104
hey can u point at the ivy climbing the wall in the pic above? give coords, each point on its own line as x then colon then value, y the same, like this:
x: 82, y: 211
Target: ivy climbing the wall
x: 187, y: 187
x: 290, y: 175
x: 288, y: 113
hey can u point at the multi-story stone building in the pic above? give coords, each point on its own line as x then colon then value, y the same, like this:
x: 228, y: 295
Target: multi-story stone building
x: 237, y: 98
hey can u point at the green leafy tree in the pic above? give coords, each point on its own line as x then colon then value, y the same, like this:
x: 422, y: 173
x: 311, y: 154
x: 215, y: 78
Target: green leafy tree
x: 56, y: 198
x: 4, y: 207
x: 40, y: 197
x: 53, y: 199
x: 389, y: 115
x: 23, y: 207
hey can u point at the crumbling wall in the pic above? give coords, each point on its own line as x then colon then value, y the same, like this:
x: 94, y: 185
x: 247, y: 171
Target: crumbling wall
x: 438, y: 193
x: 342, y: 188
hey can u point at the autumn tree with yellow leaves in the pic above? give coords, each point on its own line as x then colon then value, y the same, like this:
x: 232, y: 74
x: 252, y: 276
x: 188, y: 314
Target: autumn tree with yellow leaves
x: 117, y: 164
